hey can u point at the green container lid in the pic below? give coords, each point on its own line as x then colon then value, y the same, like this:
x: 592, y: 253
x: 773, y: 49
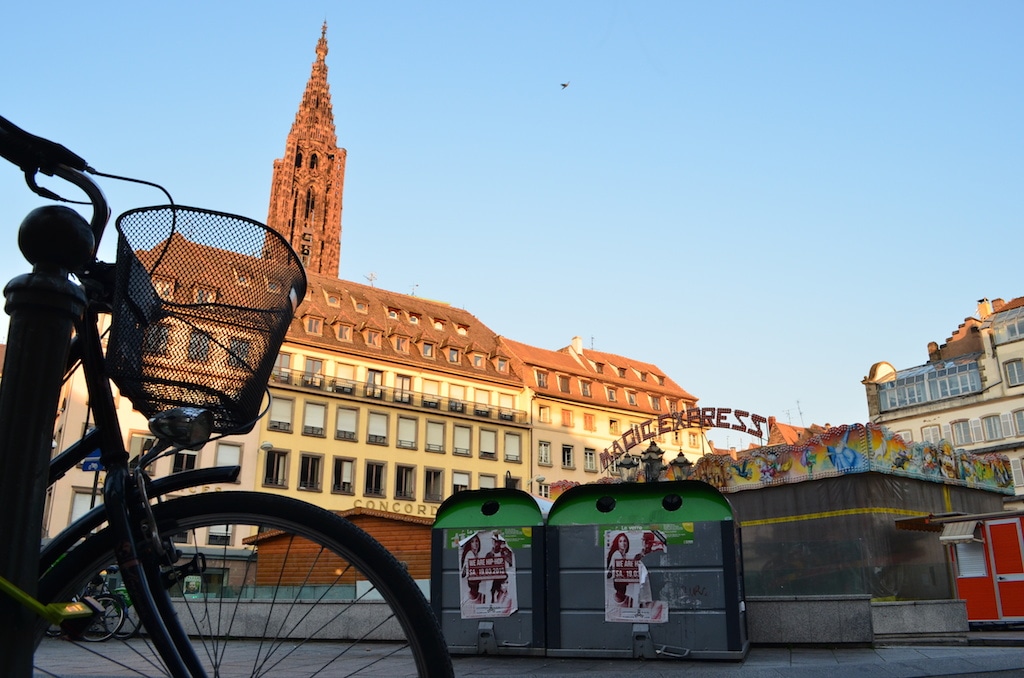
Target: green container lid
x: 640, y: 503
x: 491, y: 508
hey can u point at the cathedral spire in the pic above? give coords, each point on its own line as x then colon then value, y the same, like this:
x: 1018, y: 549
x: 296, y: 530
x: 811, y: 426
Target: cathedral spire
x: 306, y: 190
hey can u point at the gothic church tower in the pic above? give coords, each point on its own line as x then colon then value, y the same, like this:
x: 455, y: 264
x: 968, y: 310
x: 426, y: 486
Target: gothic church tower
x: 306, y: 191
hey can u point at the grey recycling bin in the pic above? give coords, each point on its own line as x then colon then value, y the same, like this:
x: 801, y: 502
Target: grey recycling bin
x: 487, y: 572
x: 645, y: 570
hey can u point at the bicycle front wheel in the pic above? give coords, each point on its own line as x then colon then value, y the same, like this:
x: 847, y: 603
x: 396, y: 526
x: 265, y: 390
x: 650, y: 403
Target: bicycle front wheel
x: 288, y: 589
x: 105, y: 625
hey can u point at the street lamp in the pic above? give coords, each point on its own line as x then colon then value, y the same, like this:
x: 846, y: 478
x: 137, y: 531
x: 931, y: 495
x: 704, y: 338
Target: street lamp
x: 653, y: 462
x: 680, y: 467
x: 627, y: 465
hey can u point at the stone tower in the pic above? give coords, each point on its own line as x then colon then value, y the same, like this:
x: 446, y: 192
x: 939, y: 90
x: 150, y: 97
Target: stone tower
x: 306, y: 191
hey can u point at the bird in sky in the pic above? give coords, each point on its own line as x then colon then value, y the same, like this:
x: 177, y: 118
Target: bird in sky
x: 564, y: 85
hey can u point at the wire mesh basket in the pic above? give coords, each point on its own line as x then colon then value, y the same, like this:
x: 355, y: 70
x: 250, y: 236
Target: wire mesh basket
x: 201, y: 306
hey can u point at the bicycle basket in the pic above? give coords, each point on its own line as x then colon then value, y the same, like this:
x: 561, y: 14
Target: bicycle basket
x: 202, y: 303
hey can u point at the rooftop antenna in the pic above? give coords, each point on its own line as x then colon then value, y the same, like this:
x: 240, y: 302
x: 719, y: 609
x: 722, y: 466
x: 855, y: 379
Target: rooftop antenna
x: 414, y: 287
x: 591, y: 342
x: 800, y: 412
x: 371, y: 277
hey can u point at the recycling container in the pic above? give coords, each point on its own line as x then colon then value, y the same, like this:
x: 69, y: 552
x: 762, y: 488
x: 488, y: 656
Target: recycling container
x: 645, y: 570
x: 487, y: 572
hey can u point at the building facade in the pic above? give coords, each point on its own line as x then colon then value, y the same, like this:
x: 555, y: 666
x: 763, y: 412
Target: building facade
x: 970, y: 392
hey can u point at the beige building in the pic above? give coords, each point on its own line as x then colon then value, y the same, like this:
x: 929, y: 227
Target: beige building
x: 970, y: 392
x: 581, y: 401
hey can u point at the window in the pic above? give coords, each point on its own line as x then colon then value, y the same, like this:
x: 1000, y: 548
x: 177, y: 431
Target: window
x: 402, y: 344
x: 374, y: 485
x: 461, y: 436
x: 482, y: 400
x: 488, y: 444
x: 313, y: 419
x: 275, y: 468
x: 310, y: 470
x: 544, y: 414
x: 435, y: 436
x: 433, y: 485
x: 479, y: 360
x: 205, y: 295
x: 512, y: 446
x: 198, y: 346
x: 218, y: 535
x: 314, y: 325
x: 155, y: 339
x: 407, y: 433
x: 373, y: 338
x: 502, y: 365
x: 589, y: 459
x: 544, y: 453
x: 431, y: 393
x: 456, y: 394
x: 282, y: 367
x: 656, y: 403
x: 589, y: 422
x: 460, y: 481
x: 374, y: 384
x: 346, y: 426
x: 567, y: 418
x: 184, y: 460
x: 405, y: 482
x: 542, y: 378
x: 238, y: 353
x: 344, y: 332
x: 585, y: 388
x: 613, y: 426
x: 428, y: 350
x: 487, y: 482
x: 377, y: 429
x: 228, y: 454
x: 567, y: 460
x: 993, y: 427
x: 631, y: 397
x: 563, y: 383
x: 622, y: 372
x: 453, y: 355
x: 544, y: 490
x: 962, y: 432
x: 342, y: 476
x: 393, y: 313
x: 313, y: 374
x: 164, y: 288
x: 692, y: 440
x: 1017, y: 470
x: 139, y: 444
x: 1015, y: 372
x: 403, y: 388
x: 1018, y: 420
x: 930, y: 434
x: 612, y: 394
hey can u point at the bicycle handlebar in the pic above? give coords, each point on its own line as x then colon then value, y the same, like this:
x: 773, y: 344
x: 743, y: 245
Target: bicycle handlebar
x: 35, y: 154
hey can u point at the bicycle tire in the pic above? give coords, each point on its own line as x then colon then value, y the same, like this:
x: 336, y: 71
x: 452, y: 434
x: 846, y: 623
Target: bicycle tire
x: 285, y: 588
x: 130, y: 626
x: 104, y: 626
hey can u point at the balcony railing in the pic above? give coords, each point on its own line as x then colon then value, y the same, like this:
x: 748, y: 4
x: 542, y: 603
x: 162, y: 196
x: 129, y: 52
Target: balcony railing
x: 400, y: 396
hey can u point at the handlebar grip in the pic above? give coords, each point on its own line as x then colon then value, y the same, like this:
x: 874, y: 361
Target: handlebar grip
x: 32, y: 153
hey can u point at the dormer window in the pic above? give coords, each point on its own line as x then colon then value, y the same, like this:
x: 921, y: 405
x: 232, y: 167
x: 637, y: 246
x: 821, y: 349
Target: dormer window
x: 613, y: 394
x: 661, y: 379
x: 332, y: 299
x: 414, y: 319
x: 428, y: 350
x: 314, y: 325
x: 360, y: 306
x: 656, y: 403
x: 462, y: 329
x: 542, y: 378
x: 242, y: 277
x: 563, y: 383
x: 643, y: 376
x: 585, y: 388
x: 164, y: 288
x: 344, y: 332
x: 205, y: 295
x: 453, y: 355
x: 631, y: 397
x: 402, y: 344
x: 438, y: 324
x: 478, y: 360
x: 373, y: 338
x: 501, y: 365
x: 599, y: 368
x: 393, y: 313
x: 622, y: 372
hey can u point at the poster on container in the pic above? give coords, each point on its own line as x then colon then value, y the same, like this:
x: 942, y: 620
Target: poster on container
x: 628, y: 596
x: 487, y: 573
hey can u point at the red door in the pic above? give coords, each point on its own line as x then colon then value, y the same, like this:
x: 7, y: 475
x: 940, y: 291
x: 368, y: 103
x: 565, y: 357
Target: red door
x: 1007, y: 544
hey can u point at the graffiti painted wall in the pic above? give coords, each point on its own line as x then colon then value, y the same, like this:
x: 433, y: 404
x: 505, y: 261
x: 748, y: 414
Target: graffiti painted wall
x: 856, y: 449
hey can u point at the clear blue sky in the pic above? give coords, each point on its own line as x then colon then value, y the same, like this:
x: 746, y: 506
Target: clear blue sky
x: 763, y: 199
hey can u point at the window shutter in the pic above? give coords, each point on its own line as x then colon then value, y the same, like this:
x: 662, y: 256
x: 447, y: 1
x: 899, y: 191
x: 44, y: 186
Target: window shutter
x: 407, y: 429
x: 511, y: 447
x: 281, y: 410
x: 977, y: 433
x: 1018, y: 471
x: 378, y: 425
x: 461, y: 437
x: 435, y: 435
x: 1007, y: 422
x: 314, y: 415
x: 947, y: 433
x: 488, y: 442
x: 347, y: 420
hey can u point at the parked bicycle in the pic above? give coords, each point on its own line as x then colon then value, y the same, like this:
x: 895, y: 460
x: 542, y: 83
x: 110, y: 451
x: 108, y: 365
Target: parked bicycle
x: 107, y: 624
x: 205, y: 570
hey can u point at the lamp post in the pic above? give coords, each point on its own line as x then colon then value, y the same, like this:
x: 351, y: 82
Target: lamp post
x: 653, y: 462
x: 680, y: 467
x: 627, y: 465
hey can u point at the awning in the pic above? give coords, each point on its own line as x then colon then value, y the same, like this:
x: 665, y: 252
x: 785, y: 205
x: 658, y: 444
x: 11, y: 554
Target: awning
x: 953, y: 533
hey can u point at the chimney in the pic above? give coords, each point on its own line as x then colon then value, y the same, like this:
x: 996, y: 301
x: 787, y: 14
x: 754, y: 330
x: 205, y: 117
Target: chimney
x: 984, y: 308
x: 577, y: 345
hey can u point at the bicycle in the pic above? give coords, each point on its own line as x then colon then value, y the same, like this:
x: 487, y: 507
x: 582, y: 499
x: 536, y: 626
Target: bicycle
x: 109, y: 623
x: 205, y: 570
